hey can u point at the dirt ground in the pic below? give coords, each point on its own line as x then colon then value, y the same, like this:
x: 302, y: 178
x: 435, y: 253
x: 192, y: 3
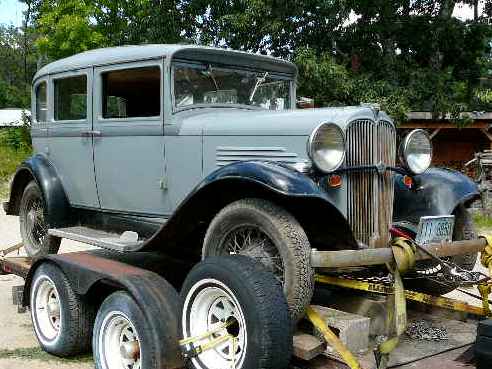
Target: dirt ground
x: 18, y: 346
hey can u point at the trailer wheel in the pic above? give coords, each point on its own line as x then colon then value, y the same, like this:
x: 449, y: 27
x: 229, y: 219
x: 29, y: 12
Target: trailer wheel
x: 33, y: 225
x: 273, y: 237
x: 234, y: 290
x: 123, y: 335
x: 62, y: 320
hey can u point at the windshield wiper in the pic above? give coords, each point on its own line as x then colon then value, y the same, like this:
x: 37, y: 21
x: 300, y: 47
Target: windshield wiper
x: 259, y: 82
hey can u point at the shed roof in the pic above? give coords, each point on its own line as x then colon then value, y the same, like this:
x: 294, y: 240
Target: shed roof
x: 12, y: 117
x: 122, y: 54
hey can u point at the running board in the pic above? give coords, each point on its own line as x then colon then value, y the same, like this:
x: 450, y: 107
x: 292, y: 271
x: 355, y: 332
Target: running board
x: 127, y: 241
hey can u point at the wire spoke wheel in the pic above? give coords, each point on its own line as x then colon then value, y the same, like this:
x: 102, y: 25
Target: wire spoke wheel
x: 36, y: 227
x: 251, y: 241
x: 119, y: 343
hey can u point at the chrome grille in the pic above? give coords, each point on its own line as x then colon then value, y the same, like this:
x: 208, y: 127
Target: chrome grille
x: 370, y: 194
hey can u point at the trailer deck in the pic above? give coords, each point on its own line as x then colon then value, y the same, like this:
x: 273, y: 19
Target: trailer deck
x: 410, y: 353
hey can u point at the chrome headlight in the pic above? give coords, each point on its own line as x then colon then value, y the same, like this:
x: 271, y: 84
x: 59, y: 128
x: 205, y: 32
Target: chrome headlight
x: 326, y: 147
x: 416, y: 151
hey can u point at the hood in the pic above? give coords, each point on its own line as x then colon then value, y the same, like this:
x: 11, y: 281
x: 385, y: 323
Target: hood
x: 238, y: 122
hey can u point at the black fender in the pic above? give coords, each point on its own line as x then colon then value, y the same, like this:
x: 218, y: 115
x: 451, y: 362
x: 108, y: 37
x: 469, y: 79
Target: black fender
x: 323, y: 222
x: 96, y: 274
x: 39, y: 168
x: 438, y: 191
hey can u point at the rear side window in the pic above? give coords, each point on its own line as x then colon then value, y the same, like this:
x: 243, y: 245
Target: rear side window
x: 41, y: 102
x: 71, y: 98
x: 132, y: 93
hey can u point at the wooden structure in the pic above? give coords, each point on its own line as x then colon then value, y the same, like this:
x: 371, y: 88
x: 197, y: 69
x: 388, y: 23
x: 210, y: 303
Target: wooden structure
x: 453, y: 145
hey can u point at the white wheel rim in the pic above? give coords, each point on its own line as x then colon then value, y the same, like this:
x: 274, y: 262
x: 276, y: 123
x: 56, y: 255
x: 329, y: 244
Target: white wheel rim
x: 208, y: 305
x: 47, y: 309
x: 119, y: 343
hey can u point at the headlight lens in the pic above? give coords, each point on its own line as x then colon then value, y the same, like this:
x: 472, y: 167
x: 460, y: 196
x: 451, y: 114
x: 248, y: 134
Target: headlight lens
x: 416, y: 151
x: 326, y: 147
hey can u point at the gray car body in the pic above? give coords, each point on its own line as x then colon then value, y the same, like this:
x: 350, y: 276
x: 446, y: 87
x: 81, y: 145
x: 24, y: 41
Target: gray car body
x: 152, y: 167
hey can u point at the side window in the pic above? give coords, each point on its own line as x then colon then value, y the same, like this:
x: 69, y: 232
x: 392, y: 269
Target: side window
x: 131, y: 93
x: 41, y: 102
x: 71, y: 98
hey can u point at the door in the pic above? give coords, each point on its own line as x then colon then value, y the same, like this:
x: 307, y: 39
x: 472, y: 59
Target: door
x: 129, y: 152
x: 70, y: 135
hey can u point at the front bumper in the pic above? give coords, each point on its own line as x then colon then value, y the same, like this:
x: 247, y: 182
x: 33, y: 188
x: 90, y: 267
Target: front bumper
x: 367, y: 257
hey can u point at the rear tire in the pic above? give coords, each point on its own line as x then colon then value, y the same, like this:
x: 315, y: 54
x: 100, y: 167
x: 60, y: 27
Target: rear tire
x: 122, y: 335
x: 62, y: 320
x: 33, y: 224
x: 463, y: 230
x: 271, y: 236
x: 235, y: 290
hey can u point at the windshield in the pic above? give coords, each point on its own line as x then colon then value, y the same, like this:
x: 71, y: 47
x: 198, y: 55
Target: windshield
x: 207, y: 84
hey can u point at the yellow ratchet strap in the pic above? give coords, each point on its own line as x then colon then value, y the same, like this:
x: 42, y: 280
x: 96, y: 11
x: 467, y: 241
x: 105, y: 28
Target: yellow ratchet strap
x: 196, y: 350
x: 396, y: 320
x: 443, y: 302
x: 331, y: 338
x: 486, y: 288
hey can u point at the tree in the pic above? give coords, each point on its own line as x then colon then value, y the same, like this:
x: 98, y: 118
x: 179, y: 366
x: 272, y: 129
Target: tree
x: 66, y: 28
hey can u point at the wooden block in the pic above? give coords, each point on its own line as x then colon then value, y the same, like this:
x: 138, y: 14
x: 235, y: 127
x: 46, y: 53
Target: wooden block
x: 352, y: 329
x: 306, y: 346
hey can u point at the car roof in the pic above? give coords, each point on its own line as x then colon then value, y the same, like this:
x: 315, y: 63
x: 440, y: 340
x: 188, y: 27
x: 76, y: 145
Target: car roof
x: 124, y: 54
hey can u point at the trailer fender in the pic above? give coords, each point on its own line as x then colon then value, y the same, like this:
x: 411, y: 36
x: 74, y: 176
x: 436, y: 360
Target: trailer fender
x: 154, y: 295
x: 438, y: 191
x: 39, y: 169
x: 278, y: 183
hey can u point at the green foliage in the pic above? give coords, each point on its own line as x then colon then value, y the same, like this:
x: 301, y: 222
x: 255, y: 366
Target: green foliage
x: 482, y: 222
x: 17, y: 138
x: 404, y: 55
x: 66, y: 29
x: 16, y: 68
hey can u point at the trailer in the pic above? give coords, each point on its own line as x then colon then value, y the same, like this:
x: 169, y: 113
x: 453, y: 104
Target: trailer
x: 348, y: 324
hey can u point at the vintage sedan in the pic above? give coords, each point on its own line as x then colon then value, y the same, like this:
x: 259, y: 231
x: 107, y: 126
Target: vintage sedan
x: 196, y: 151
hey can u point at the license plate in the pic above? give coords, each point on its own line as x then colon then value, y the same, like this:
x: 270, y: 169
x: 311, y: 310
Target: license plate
x: 435, y: 229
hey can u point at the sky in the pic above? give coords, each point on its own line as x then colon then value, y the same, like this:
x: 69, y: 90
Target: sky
x: 11, y: 12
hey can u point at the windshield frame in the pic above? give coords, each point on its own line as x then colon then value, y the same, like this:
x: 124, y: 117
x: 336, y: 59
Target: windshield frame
x: 205, y: 64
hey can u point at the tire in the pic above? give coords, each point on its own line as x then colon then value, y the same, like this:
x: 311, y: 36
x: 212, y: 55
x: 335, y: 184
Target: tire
x: 62, y: 320
x: 123, y: 333
x: 463, y: 230
x: 282, y: 236
x: 33, y: 226
x: 236, y: 290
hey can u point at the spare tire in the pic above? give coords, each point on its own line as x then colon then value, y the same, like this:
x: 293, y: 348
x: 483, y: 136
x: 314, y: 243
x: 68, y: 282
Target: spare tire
x: 236, y: 292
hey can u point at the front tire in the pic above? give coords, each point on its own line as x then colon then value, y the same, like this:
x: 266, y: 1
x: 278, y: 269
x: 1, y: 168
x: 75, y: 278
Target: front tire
x: 273, y: 237
x: 62, y: 320
x: 33, y: 224
x: 234, y: 290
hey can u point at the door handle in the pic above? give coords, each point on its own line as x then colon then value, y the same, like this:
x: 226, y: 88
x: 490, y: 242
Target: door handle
x: 88, y: 134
